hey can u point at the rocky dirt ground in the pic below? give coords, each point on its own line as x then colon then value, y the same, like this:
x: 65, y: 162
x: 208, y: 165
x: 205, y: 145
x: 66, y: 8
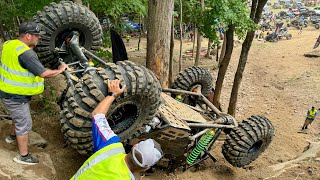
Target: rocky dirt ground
x: 278, y: 82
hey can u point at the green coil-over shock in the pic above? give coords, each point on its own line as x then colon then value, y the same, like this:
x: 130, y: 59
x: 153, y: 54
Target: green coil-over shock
x: 203, y: 143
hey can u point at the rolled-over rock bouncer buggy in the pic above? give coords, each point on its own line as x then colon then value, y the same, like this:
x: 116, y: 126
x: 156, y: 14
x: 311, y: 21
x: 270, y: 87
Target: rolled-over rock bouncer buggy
x: 181, y: 119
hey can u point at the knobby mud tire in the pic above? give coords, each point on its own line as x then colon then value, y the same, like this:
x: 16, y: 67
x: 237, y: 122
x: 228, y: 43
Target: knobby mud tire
x: 127, y: 115
x: 58, y: 20
x: 289, y: 36
x: 246, y: 142
x: 192, y: 76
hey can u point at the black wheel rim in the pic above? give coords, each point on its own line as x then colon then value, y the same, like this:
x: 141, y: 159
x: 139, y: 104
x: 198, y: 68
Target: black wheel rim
x: 255, y: 147
x: 123, y: 116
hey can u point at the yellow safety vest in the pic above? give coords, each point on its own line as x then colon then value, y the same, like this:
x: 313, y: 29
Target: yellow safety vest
x: 312, y: 113
x: 107, y: 163
x: 14, y: 79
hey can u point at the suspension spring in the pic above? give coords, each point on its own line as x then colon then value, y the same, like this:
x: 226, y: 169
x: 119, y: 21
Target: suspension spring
x: 205, y: 140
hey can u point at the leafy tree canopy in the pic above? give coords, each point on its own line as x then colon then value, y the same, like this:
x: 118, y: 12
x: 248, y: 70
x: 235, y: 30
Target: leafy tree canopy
x: 119, y: 8
x: 24, y: 9
x: 218, y: 13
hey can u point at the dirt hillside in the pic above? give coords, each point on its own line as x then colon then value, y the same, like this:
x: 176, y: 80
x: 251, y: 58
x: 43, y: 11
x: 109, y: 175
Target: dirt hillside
x: 278, y: 82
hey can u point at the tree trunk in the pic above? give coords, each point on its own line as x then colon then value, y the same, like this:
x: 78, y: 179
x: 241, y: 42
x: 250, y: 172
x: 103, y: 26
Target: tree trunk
x: 199, y: 40
x: 208, y: 49
x: 223, y: 49
x: 180, y: 53
x: 255, y: 15
x: 171, y: 53
x: 145, y: 24
x: 217, y: 55
x: 194, y: 41
x: 224, y: 64
x: 2, y: 32
x: 158, y: 42
x: 196, y: 63
x: 140, y: 33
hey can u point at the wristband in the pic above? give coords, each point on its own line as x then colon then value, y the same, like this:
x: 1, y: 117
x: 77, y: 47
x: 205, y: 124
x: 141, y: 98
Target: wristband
x: 112, y: 94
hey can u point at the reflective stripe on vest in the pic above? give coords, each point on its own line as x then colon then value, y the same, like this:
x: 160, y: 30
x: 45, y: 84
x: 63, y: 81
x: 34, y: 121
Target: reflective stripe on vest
x: 8, y: 81
x: 12, y: 71
x: 15, y: 79
x: 98, y: 159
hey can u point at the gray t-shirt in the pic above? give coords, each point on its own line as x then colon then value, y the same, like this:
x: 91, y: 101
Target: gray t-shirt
x: 28, y: 60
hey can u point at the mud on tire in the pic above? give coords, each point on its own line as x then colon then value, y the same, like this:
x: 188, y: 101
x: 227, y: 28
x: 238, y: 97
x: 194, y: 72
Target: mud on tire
x: 246, y: 142
x: 58, y: 20
x: 127, y: 115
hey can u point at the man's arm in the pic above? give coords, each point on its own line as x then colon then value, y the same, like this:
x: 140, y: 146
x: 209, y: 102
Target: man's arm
x: 102, y: 133
x: 51, y: 73
x: 104, y: 105
x: 29, y: 60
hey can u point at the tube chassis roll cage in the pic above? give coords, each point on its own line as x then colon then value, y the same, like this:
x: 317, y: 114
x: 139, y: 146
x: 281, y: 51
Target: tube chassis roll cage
x: 224, y: 121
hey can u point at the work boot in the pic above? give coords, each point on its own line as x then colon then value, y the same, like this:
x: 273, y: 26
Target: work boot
x: 11, y: 139
x: 27, y: 160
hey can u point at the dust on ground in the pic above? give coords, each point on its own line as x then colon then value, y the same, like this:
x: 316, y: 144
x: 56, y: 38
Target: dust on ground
x: 278, y: 82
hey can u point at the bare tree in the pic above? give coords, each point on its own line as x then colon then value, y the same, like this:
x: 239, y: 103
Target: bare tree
x: 255, y: 15
x: 158, y: 38
x: 223, y: 66
x: 208, y: 49
x: 2, y: 32
x: 223, y: 49
x: 199, y: 40
x: 180, y: 53
x: 195, y: 31
x: 140, y: 33
x: 171, y: 53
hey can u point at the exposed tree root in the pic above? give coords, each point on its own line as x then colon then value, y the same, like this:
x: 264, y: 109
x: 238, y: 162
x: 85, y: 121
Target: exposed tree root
x: 281, y: 171
x: 313, y: 54
x: 311, y: 151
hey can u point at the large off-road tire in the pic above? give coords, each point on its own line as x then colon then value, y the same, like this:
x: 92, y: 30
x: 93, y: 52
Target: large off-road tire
x: 275, y: 39
x: 317, y: 26
x: 288, y: 36
x: 189, y: 79
x: 193, y: 76
x: 127, y: 115
x: 245, y: 143
x: 58, y: 20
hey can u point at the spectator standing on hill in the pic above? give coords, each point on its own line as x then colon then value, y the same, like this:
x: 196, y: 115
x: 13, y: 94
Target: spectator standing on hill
x: 22, y: 76
x: 311, y: 115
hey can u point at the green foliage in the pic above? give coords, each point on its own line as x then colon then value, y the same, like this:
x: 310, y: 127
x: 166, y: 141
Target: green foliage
x: 24, y: 9
x: 47, y: 102
x: 105, y: 55
x: 106, y: 40
x: 225, y: 11
x: 116, y: 9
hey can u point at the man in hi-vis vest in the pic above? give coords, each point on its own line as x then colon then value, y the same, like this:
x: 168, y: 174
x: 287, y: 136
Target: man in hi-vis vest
x: 311, y: 115
x: 22, y: 76
x: 110, y: 160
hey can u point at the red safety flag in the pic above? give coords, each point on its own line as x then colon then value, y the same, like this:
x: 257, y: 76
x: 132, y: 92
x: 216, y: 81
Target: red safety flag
x: 317, y: 43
